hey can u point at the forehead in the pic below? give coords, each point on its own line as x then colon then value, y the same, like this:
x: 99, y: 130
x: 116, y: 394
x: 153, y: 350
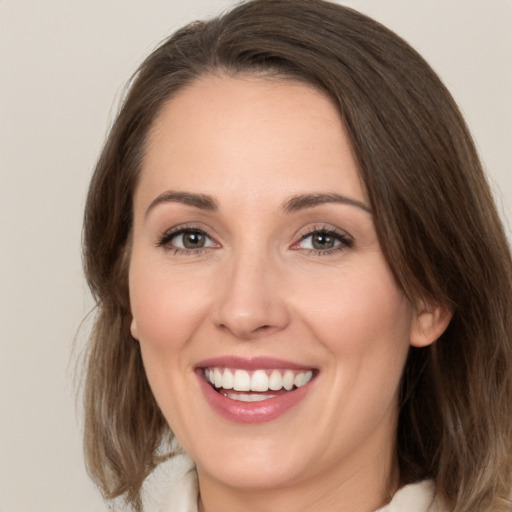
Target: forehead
x: 245, y: 133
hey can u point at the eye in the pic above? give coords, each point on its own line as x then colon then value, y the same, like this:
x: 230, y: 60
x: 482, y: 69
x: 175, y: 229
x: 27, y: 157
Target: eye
x: 324, y: 241
x: 186, y: 240
x: 190, y: 240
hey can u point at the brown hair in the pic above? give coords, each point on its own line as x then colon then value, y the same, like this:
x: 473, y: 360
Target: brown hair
x: 434, y: 216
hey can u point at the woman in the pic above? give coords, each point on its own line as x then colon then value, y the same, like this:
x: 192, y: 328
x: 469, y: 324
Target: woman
x: 300, y: 274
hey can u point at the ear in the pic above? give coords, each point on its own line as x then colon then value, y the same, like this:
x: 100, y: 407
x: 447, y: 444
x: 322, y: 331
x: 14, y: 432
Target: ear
x: 133, y: 328
x: 430, y: 322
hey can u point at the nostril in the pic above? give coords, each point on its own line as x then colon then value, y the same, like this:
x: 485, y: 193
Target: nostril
x: 264, y: 329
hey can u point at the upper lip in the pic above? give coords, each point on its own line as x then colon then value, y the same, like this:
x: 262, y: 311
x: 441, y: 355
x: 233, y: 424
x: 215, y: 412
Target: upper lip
x: 254, y: 363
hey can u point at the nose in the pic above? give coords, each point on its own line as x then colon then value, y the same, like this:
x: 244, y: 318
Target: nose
x: 249, y: 301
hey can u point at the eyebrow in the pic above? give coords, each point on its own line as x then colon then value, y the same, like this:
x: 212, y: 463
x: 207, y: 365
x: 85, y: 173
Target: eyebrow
x: 303, y: 201
x: 201, y: 201
x: 293, y: 204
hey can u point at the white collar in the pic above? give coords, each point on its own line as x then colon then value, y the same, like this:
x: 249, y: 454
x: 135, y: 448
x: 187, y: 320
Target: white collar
x: 418, y: 497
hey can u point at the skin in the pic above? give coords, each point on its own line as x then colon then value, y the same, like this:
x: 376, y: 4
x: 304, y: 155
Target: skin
x: 258, y: 288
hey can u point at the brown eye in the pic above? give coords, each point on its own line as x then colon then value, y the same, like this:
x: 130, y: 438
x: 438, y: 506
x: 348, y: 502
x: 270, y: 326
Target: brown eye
x: 322, y: 241
x: 192, y: 240
x: 186, y: 239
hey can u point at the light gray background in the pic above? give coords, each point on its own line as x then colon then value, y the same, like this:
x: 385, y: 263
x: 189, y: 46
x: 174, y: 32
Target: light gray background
x: 62, y: 67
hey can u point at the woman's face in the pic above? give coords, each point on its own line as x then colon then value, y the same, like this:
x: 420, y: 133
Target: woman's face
x: 256, y: 264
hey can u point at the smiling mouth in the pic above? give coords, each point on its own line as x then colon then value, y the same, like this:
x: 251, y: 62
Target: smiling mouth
x: 256, y: 385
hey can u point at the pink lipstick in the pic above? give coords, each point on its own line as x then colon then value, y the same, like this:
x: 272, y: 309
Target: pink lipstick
x: 253, y: 390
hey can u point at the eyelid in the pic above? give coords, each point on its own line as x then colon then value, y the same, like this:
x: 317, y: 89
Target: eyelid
x: 165, y: 238
x: 345, y: 239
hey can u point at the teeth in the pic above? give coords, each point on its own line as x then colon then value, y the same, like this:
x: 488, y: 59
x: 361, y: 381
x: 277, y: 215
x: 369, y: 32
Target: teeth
x: 259, y: 381
x: 300, y: 379
x: 244, y: 397
x: 217, y: 378
x: 288, y: 380
x: 275, y: 381
x: 228, y: 380
x: 242, y: 381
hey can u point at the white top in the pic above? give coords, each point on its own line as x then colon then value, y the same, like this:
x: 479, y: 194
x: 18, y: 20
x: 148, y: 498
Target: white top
x: 180, y: 493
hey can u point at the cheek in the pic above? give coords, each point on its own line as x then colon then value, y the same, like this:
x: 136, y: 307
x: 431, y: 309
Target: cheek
x: 365, y: 328
x: 166, y: 306
x: 355, y: 310
x: 363, y: 322
x: 167, y: 310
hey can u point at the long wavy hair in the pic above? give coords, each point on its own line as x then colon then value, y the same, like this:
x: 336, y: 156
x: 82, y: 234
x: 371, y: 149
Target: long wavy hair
x: 433, y: 212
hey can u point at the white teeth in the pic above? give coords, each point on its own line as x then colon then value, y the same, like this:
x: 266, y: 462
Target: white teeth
x: 260, y: 381
x: 275, y: 381
x: 242, y: 381
x: 217, y: 378
x: 288, y: 380
x: 228, y: 380
x: 244, y: 397
x: 301, y: 379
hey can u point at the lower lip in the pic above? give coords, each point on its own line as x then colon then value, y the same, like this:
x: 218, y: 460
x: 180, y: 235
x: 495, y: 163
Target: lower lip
x: 251, y: 412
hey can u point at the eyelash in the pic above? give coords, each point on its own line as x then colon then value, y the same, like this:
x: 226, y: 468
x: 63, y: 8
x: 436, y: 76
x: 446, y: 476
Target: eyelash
x: 165, y: 239
x: 345, y: 241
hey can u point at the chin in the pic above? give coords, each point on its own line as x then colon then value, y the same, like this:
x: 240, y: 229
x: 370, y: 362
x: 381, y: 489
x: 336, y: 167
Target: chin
x: 252, y: 471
